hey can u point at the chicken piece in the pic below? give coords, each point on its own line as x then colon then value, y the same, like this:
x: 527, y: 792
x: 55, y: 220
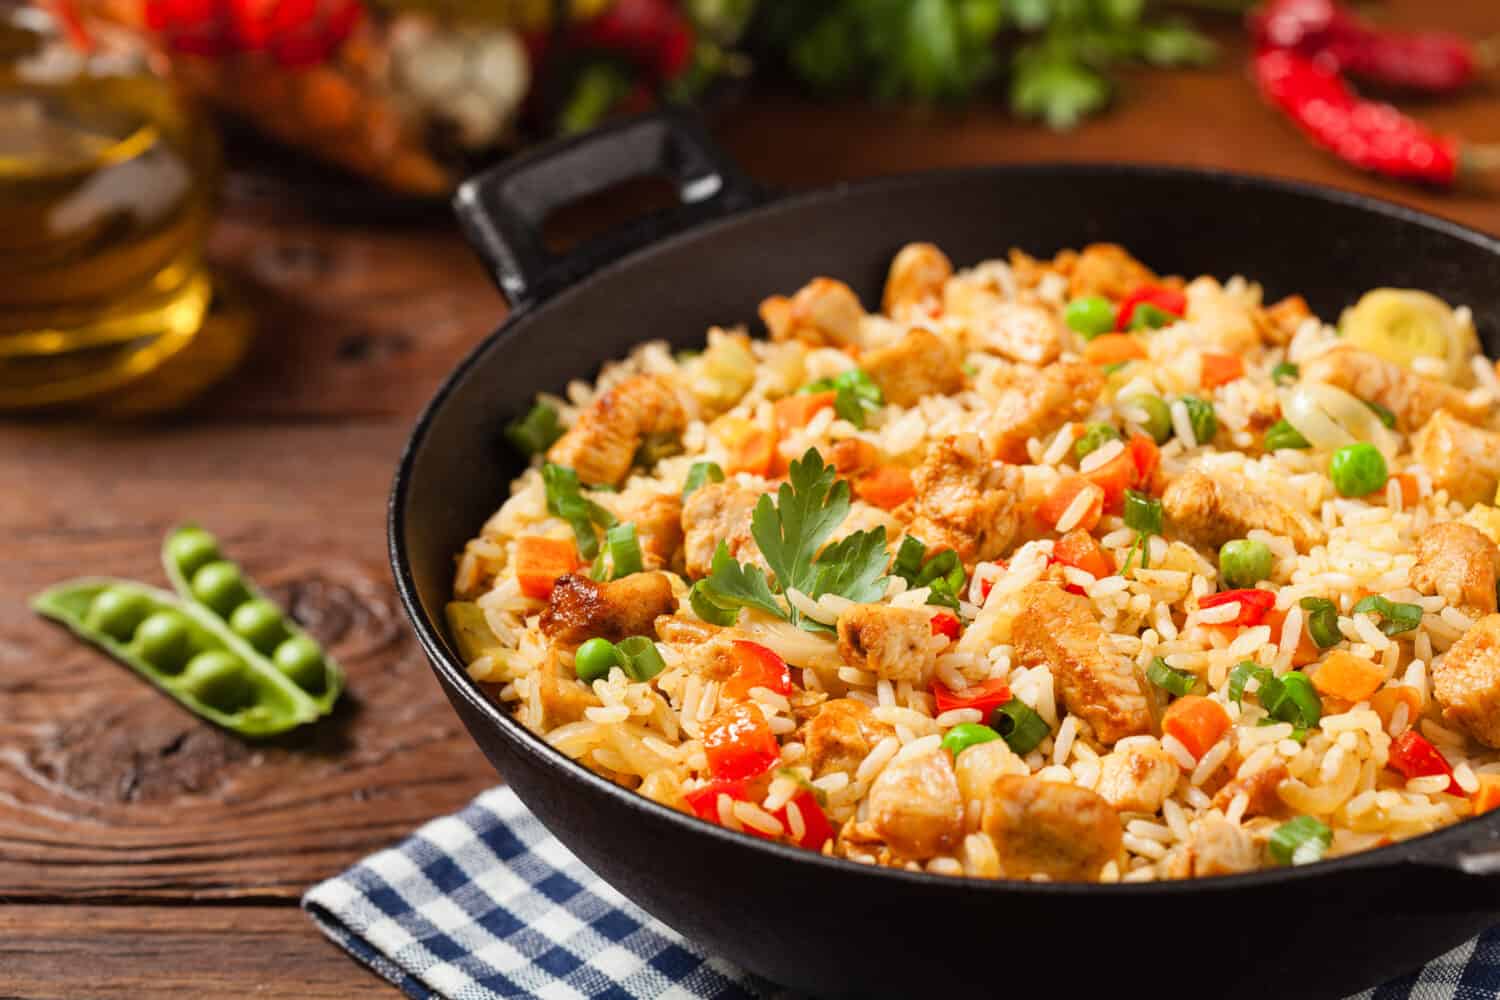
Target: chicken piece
x: 916, y: 279
x: 1279, y: 323
x: 1221, y: 848
x: 920, y: 364
x: 602, y: 444
x: 1040, y: 827
x: 1411, y: 397
x: 1259, y: 788
x: 1019, y: 331
x: 963, y: 501
x: 841, y: 735
x: 915, y: 806
x: 1221, y: 319
x: 1458, y: 563
x: 1209, y: 512
x: 714, y: 513
x: 581, y: 608
x: 1466, y: 681
x: 1137, y: 779
x: 852, y: 456
x: 658, y: 523
x: 680, y: 630
x: 563, y: 697
x: 825, y: 313
x: 894, y: 644
x: 1058, y: 629
x: 1034, y: 404
x: 1103, y: 269
x: 1462, y: 459
x: 979, y: 765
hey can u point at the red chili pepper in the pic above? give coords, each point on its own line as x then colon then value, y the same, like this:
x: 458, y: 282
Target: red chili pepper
x: 756, y: 666
x: 985, y: 696
x: 1415, y: 757
x: 1166, y: 299
x: 738, y: 743
x: 1434, y: 62
x: 1254, y: 605
x: 655, y: 34
x: 1372, y: 136
x: 946, y: 623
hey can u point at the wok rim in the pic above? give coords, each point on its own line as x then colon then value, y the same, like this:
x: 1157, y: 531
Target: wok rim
x: 1424, y: 850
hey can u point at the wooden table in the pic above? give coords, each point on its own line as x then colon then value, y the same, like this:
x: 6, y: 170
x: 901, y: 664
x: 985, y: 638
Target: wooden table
x: 143, y: 853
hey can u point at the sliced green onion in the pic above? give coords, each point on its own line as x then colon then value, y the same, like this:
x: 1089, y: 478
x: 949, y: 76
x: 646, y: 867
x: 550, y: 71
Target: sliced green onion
x: 1322, y: 621
x: 802, y: 783
x: 965, y: 735
x: 624, y: 550
x: 1201, y: 416
x: 700, y: 474
x: 536, y: 431
x: 566, y: 500
x: 1283, y: 435
x: 1149, y: 317
x: 1173, y: 681
x: 1093, y: 438
x: 1143, y: 512
x: 1020, y: 727
x: 707, y: 605
x: 1293, y: 700
x: 1241, y: 675
x: 1111, y: 369
x: 1386, y: 416
x: 1397, y: 618
x: 909, y: 558
x: 655, y: 447
x: 642, y: 659
x: 1285, y: 372
x: 1300, y: 841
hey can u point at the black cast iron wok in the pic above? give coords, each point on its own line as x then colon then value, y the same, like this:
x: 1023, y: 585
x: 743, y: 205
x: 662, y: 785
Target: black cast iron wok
x: 829, y: 926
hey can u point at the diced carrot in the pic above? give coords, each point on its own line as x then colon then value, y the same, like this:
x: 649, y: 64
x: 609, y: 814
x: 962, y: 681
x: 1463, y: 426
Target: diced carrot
x: 540, y: 561
x: 794, y: 412
x: 1347, y: 676
x: 1196, y: 722
x: 1411, y: 493
x: 1114, y: 478
x: 1061, y: 498
x: 1082, y: 550
x: 1488, y: 796
x: 853, y: 455
x: 1113, y: 348
x: 885, y: 486
x: 1385, y: 700
x: 1221, y: 369
x: 752, y: 448
x: 1306, y: 652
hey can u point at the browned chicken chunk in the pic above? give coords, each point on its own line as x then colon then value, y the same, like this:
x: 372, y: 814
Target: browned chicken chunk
x: 1039, y: 827
x: 1411, y: 397
x: 1137, y: 779
x: 1058, y: 629
x: 1279, y: 323
x: 1103, y: 269
x: 1462, y: 459
x: 841, y: 735
x: 895, y: 644
x: 920, y: 364
x: 915, y: 806
x: 563, y: 696
x: 1458, y: 563
x: 658, y: 523
x: 824, y: 313
x: 1034, y: 404
x: 1259, y: 788
x: 1221, y: 848
x: 581, y: 608
x: 963, y: 501
x: 714, y: 513
x: 1019, y: 331
x: 916, y: 278
x: 1209, y: 512
x: 1466, y: 681
x: 602, y: 444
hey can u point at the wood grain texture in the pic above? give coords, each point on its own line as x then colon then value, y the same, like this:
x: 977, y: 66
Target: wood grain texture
x: 111, y: 794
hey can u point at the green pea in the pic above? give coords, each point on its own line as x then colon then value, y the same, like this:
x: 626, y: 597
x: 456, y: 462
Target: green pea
x: 965, y: 735
x: 1158, y: 422
x: 595, y: 659
x: 1357, y: 470
x: 1094, y: 438
x: 164, y: 641
x: 218, y: 679
x: 1201, y: 415
x: 1244, y: 563
x: 1090, y: 316
x: 116, y: 612
x: 260, y: 623
x: 219, y: 585
x: 301, y: 660
x: 192, y: 549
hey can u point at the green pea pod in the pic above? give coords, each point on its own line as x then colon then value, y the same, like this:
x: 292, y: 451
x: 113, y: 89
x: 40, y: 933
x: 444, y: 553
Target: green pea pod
x: 182, y: 649
x: 219, y: 588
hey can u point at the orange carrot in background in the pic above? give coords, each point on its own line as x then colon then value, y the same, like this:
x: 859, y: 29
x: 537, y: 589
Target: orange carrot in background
x: 1113, y: 348
x: 540, y: 561
x: 1196, y: 722
x: 885, y: 486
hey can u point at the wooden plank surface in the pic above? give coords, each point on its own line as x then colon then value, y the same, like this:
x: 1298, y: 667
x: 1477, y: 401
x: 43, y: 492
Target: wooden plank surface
x: 145, y: 854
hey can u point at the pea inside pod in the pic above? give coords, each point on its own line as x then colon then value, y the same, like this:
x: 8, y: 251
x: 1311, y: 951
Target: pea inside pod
x: 196, y: 565
x: 183, y: 650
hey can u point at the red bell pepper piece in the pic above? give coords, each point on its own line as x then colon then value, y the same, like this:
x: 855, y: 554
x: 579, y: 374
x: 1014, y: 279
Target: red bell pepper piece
x: 985, y: 696
x: 1166, y: 299
x: 756, y: 666
x: 946, y: 623
x: 1146, y: 456
x: 1415, y: 757
x: 816, y: 828
x: 1254, y: 605
x: 739, y: 743
x: 704, y: 801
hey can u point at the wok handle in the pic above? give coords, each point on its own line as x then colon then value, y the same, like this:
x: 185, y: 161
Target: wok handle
x: 503, y: 209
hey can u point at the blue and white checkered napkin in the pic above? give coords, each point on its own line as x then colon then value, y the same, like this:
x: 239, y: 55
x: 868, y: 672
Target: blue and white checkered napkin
x: 487, y: 904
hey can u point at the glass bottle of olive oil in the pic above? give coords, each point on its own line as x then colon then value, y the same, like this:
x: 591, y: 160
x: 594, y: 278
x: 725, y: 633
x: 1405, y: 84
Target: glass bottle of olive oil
x: 107, y: 187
